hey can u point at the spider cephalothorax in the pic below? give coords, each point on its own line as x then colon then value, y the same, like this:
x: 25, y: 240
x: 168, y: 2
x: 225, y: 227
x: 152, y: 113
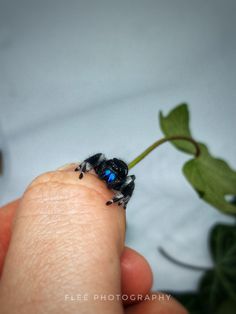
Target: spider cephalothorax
x: 114, y: 172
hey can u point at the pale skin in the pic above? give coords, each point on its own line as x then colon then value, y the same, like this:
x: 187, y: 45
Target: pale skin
x: 60, y: 240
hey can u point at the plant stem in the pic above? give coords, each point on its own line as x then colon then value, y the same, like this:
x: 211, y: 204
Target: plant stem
x: 179, y: 263
x: 147, y: 151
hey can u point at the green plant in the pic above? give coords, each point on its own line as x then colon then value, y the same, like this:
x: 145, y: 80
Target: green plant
x: 215, y: 183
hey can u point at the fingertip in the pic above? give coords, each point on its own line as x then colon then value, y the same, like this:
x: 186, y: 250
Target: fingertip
x: 157, y: 303
x: 136, y: 273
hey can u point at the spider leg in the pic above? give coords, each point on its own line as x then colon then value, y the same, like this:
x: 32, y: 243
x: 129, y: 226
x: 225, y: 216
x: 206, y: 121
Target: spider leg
x: 125, y: 192
x: 90, y: 163
x: 116, y: 198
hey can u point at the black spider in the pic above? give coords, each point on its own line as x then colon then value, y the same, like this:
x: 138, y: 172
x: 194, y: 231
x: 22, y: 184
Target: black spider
x: 114, y: 172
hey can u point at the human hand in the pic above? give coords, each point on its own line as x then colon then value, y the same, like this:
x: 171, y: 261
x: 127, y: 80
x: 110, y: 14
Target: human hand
x: 67, y: 254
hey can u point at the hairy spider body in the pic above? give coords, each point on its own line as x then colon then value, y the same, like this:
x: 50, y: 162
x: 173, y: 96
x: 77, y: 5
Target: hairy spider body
x: 114, y: 172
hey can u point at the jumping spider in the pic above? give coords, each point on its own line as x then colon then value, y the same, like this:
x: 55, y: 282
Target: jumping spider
x: 114, y: 172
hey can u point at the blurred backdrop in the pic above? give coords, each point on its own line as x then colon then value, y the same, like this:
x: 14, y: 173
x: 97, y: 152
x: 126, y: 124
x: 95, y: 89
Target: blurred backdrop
x: 80, y: 77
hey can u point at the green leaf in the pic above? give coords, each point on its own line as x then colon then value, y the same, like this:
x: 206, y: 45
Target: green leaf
x: 223, y: 250
x: 227, y: 307
x: 219, y: 284
x: 211, y: 292
x: 212, y: 178
x: 191, y: 301
x: 177, y: 123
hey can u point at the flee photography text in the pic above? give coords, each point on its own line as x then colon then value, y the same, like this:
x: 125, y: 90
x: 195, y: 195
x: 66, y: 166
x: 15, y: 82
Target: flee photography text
x: 117, y: 297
